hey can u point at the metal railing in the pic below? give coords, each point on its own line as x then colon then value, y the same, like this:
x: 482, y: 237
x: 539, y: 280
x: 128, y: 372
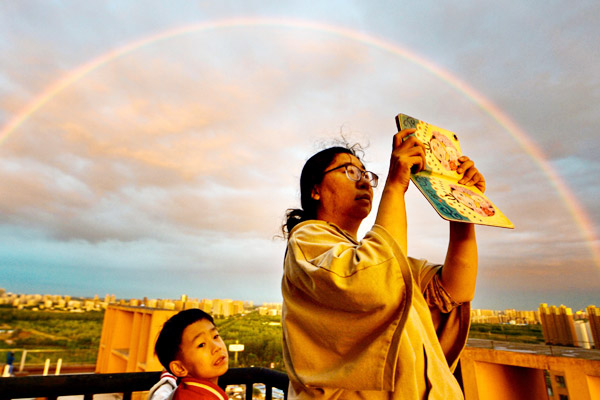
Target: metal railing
x: 51, y: 387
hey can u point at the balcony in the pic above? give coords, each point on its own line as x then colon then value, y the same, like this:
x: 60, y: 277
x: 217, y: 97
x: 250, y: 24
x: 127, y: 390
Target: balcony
x: 51, y: 387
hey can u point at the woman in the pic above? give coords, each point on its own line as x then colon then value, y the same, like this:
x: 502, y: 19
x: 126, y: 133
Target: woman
x: 361, y: 320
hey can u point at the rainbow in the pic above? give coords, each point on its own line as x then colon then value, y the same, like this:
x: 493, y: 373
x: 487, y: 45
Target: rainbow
x: 519, y: 135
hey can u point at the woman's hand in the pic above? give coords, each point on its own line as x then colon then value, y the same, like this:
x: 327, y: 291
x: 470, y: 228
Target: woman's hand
x: 472, y: 176
x: 459, y: 273
x: 407, y: 154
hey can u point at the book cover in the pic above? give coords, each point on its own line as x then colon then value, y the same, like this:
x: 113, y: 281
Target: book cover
x: 438, y: 181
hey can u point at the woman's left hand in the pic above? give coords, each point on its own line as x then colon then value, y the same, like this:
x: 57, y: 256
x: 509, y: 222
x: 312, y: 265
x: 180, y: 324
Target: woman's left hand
x: 472, y: 176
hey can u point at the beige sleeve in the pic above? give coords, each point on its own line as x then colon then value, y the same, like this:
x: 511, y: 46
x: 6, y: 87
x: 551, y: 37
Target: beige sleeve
x: 339, y: 273
x: 451, y: 319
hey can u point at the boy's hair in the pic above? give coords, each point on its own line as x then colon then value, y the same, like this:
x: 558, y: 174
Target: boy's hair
x: 169, y: 339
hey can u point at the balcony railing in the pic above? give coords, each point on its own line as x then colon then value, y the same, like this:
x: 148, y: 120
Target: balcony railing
x: 51, y: 387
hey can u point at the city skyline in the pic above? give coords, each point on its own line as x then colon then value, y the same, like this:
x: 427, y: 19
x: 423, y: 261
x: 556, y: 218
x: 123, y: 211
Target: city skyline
x: 153, y: 150
x: 509, y: 313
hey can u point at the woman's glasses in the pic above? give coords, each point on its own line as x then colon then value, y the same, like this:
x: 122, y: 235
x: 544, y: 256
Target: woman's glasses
x: 355, y: 174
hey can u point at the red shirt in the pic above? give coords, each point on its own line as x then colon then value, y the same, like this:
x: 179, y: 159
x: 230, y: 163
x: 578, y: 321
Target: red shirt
x: 198, y: 389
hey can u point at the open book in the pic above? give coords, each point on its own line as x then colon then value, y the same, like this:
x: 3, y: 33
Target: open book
x: 438, y: 181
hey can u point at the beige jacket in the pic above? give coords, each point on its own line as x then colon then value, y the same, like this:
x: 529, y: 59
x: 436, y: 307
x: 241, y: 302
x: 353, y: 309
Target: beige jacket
x: 360, y: 319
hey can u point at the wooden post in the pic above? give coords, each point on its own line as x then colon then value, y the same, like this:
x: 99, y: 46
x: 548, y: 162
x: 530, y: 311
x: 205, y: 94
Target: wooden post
x: 22, y: 365
x: 46, y: 366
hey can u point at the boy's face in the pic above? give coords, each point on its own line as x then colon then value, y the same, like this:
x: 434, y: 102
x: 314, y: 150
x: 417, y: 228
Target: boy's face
x: 202, y: 353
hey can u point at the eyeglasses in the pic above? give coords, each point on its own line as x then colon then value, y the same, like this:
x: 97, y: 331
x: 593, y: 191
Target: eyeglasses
x: 355, y: 174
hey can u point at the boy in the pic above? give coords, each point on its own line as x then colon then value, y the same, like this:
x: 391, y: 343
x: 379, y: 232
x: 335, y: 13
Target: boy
x: 190, y: 348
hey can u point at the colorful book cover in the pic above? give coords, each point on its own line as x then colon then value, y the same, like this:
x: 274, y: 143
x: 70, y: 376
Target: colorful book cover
x: 438, y: 181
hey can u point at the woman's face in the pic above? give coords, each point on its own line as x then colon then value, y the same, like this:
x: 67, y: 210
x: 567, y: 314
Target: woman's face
x: 340, y: 199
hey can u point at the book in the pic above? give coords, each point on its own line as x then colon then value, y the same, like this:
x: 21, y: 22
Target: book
x: 438, y: 181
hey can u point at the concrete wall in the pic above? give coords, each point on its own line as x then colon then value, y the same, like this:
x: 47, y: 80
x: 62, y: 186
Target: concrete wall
x: 490, y: 374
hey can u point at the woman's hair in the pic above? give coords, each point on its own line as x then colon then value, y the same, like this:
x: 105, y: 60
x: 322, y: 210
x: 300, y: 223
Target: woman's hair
x: 312, y: 174
x: 169, y: 339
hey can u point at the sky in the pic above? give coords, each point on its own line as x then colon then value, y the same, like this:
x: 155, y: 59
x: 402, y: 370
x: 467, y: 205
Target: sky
x: 150, y: 149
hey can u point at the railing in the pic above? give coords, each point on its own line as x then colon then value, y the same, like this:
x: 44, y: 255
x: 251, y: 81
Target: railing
x: 87, y: 385
x: 37, y: 357
x: 540, y: 349
x: 249, y: 376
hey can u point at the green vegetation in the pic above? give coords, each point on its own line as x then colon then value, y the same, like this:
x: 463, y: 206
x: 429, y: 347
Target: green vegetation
x: 260, y: 335
x: 74, y: 337
x: 507, y: 332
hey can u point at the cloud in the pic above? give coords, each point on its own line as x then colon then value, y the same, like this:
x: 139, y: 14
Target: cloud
x: 183, y: 155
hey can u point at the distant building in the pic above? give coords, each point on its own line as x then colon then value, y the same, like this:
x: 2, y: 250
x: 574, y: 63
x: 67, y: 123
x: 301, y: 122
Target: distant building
x: 510, y: 316
x: 206, y: 305
x: 238, y: 307
x: 558, y: 325
x: 593, y: 314
x: 272, y: 309
x: 582, y: 330
x: 222, y: 307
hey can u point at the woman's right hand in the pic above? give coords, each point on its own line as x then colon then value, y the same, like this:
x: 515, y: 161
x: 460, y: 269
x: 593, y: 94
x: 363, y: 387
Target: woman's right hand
x: 408, y: 153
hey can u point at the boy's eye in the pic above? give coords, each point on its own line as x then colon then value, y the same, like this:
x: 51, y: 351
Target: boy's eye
x: 202, y: 345
x: 216, y: 336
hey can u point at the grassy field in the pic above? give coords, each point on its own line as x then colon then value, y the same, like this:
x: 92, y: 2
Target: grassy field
x: 74, y: 337
x: 511, y: 333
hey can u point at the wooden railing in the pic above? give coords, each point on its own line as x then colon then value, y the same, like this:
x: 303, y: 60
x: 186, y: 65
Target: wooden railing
x: 51, y: 387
